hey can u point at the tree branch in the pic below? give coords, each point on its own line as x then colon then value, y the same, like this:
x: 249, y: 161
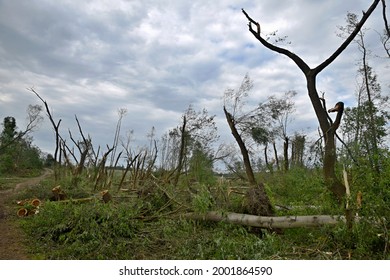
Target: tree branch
x: 298, y: 61
x: 387, y: 28
x: 349, y: 39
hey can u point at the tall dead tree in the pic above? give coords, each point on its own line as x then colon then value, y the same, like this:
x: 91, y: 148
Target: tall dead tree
x: 331, y: 179
x: 57, y: 157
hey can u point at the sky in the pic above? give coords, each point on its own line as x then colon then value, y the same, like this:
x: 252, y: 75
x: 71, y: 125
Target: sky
x: 155, y: 58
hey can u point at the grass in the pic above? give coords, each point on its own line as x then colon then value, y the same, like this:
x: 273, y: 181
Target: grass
x: 7, y: 183
x: 145, y: 226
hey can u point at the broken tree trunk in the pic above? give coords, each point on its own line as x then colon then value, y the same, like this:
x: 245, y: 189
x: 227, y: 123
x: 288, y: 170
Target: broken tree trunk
x: 243, y: 149
x: 268, y: 222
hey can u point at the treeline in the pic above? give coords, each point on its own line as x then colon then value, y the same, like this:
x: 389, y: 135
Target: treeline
x: 18, y: 155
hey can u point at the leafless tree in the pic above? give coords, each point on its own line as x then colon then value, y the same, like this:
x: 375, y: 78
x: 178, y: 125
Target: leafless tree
x: 56, y: 126
x: 327, y: 127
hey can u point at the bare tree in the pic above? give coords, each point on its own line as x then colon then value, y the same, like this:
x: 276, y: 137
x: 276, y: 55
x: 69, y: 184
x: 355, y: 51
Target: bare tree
x: 327, y: 127
x: 56, y: 126
x: 121, y: 113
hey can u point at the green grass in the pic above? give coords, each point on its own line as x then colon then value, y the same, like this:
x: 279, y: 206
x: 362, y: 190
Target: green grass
x: 148, y: 225
x: 7, y: 183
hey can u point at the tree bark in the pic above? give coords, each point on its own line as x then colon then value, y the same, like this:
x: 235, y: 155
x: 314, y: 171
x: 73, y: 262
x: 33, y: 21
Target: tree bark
x: 57, y: 157
x: 267, y: 164
x: 285, y: 152
x: 268, y: 222
x: 256, y: 198
x: 276, y: 155
x: 244, y: 150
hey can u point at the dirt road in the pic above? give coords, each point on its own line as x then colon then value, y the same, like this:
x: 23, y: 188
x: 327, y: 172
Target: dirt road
x: 12, y: 238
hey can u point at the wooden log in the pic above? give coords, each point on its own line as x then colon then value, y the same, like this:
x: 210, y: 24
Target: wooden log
x: 268, y: 222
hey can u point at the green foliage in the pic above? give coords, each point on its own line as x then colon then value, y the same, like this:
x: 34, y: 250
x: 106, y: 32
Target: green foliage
x: 201, y: 166
x: 202, y: 200
x: 222, y: 241
x: 17, y: 154
x: 147, y: 227
x: 300, y: 188
x: 9, y: 130
x: 71, y: 231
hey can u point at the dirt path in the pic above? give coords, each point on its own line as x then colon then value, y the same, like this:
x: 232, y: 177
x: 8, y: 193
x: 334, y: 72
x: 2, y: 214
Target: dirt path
x: 11, y: 236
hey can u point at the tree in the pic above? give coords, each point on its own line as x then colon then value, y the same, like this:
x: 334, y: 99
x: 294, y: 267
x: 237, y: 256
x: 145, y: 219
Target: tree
x: 9, y: 130
x: 262, y: 136
x: 364, y: 124
x: 298, y: 149
x: 201, y: 165
x: 10, y: 135
x: 234, y: 101
x: 57, y: 151
x: 385, y: 38
x: 7, y: 138
x: 281, y: 110
x: 327, y: 127
x: 357, y: 131
x: 169, y: 143
x: 198, y: 129
x: 240, y: 123
x: 275, y: 115
x: 17, y: 154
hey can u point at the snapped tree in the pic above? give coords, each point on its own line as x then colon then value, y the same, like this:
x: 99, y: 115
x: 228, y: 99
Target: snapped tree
x: 257, y: 200
x: 328, y: 128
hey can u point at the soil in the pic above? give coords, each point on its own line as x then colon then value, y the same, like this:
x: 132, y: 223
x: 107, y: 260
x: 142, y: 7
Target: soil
x: 12, y: 238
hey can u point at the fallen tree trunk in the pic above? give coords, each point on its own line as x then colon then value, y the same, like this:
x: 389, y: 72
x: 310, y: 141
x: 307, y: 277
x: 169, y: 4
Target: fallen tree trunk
x: 268, y: 222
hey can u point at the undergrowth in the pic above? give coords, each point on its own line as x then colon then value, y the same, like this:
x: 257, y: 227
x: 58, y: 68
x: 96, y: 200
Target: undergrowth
x: 148, y: 224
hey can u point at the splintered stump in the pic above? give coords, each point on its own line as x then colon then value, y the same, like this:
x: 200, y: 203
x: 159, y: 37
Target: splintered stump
x: 106, y: 196
x: 58, y: 194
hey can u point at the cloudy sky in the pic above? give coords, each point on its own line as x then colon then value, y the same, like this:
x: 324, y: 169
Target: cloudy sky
x: 155, y: 58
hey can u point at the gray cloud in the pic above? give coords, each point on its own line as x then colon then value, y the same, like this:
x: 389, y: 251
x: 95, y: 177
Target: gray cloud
x: 155, y: 58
